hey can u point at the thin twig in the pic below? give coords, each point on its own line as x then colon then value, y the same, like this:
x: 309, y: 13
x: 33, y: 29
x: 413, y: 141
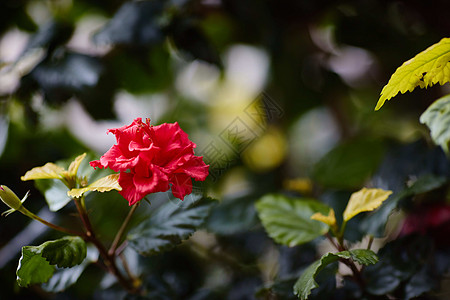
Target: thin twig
x: 119, y: 234
x: 122, y: 247
x: 356, y: 273
x: 332, y: 241
x: 126, y: 267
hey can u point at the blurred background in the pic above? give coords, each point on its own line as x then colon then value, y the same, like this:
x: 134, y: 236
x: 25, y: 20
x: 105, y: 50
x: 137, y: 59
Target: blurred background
x: 266, y: 89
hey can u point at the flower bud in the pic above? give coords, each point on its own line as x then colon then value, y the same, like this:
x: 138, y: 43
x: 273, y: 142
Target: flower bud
x: 9, y: 198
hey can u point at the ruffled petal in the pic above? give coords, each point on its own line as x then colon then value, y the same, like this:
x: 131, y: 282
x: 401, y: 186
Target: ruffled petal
x: 150, y: 158
x: 172, y: 141
x: 157, y: 182
x: 181, y: 185
x: 96, y: 164
x: 129, y: 191
x: 195, y: 168
x: 135, y: 187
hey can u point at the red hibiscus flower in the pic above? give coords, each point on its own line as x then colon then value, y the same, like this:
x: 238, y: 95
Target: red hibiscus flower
x: 151, y: 158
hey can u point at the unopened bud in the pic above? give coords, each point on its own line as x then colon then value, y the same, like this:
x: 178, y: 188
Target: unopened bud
x: 9, y: 198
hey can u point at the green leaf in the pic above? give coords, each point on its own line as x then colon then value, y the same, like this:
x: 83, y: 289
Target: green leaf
x: 362, y: 256
x: 437, y: 118
x: 55, y: 193
x: 65, y: 277
x: 36, y: 265
x: 425, y: 69
x: 306, y: 282
x: 288, y: 220
x: 349, y: 165
x: 170, y: 225
x: 33, y: 268
x: 64, y: 252
x: 105, y: 184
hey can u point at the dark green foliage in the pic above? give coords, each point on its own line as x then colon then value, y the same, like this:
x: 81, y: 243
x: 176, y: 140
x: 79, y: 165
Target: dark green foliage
x: 169, y: 225
x: 188, y: 37
x: 409, y: 266
x: 49, y: 36
x: 65, y: 277
x: 324, y: 55
x: 65, y: 252
x: 231, y: 216
x: 349, y: 165
x: 134, y: 24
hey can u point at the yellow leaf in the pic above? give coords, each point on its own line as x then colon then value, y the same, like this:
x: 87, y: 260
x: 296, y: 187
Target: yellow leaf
x: 73, y: 168
x: 47, y: 171
x: 365, y: 200
x: 425, y: 69
x: 104, y: 184
x: 330, y: 220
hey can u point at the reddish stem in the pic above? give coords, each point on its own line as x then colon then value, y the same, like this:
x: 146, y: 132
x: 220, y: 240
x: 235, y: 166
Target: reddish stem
x: 109, y: 260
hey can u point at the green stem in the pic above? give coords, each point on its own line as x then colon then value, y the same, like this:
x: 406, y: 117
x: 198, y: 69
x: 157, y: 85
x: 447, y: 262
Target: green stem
x: 369, y: 245
x: 119, y: 234
x: 340, y: 236
x: 29, y: 214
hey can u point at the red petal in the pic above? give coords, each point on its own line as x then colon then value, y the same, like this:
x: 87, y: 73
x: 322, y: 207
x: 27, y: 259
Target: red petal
x: 96, y: 164
x: 195, y: 167
x: 181, y: 185
x: 135, y: 187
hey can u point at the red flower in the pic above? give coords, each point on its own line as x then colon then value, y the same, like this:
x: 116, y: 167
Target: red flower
x: 433, y: 220
x: 151, y: 158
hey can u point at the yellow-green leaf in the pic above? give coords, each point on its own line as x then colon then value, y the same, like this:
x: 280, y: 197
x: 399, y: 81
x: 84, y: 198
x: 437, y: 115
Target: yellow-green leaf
x: 105, y: 184
x: 365, y: 200
x: 329, y: 220
x: 73, y: 168
x: 425, y: 69
x: 47, y: 171
x: 437, y: 118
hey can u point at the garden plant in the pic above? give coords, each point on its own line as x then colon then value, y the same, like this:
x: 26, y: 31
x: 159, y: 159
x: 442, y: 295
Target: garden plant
x: 224, y: 150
